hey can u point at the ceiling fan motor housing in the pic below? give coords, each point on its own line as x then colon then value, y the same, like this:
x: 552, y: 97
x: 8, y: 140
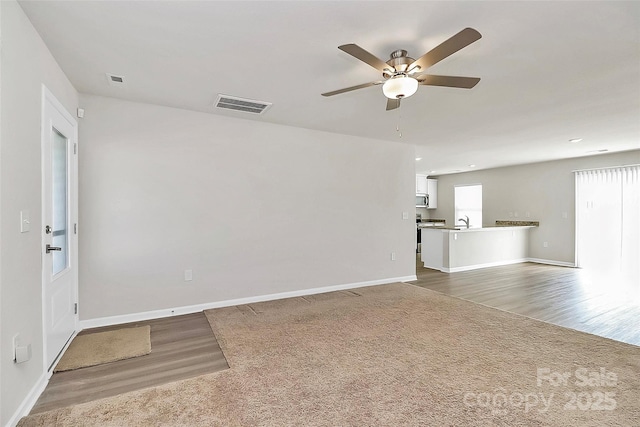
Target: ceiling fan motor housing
x: 399, y: 61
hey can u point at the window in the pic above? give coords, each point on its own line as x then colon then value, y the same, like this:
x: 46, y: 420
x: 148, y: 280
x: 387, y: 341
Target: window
x: 468, y: 203
x: 608, y: 231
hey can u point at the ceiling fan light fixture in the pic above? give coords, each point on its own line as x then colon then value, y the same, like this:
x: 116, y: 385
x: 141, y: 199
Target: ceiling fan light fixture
x: 400, y: 87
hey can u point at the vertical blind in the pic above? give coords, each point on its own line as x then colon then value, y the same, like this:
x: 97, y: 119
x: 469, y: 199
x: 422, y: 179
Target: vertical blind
x: 608, y: 219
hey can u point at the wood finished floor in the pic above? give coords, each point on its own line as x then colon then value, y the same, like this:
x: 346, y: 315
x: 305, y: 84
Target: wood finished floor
x: 600, y: 304
x: 181, y: 347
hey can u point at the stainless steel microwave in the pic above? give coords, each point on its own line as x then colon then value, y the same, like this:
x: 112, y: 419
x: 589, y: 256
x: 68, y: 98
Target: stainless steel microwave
x: 422, y: 200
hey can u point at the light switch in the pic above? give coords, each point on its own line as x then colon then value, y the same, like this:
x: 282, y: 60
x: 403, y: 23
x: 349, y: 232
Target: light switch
x: 188, y: 275
x: 25, y: 221
x: 405, y: 215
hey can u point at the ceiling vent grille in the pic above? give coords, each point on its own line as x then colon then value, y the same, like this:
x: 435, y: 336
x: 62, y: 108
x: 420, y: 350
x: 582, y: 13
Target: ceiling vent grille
x: 241, y: 104
x: 115, y: 80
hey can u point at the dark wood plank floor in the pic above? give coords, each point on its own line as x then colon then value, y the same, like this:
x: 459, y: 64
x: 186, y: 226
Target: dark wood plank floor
x: 600, y: 304
x: 181, y: 347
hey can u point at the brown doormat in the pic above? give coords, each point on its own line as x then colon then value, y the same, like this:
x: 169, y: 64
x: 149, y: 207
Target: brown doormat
x: 104, y: 347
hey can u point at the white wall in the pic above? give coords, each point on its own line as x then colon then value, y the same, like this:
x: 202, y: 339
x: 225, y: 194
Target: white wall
x: 545, y: 190
x: 26, y: 65
x: 252, y: 208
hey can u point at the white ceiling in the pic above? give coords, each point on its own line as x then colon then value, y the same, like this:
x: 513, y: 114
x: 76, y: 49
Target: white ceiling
x: 551, y: 71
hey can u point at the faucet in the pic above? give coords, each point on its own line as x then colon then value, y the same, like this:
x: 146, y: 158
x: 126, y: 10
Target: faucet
x: 466, y: 221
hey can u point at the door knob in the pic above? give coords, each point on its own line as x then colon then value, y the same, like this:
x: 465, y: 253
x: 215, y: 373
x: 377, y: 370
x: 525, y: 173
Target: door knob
x: 52, y: 248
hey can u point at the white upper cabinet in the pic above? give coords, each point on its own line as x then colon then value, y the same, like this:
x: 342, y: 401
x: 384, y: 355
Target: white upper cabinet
x: 432, y: 191
x: 421, y: 184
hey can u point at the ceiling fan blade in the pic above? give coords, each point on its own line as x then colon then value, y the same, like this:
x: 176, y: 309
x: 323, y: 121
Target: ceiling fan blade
x: 449, y: 81
x: 452, y: 45
x: 349, y: 89
x: 364, y: 56
x: 392, y: 104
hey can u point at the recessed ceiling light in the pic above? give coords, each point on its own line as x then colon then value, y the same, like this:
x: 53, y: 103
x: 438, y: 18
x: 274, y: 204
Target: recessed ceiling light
x: 418, y: 158
x: 597, y: 151
x: 472, y: 166
x: 432, y: 172
x: 575, y: 140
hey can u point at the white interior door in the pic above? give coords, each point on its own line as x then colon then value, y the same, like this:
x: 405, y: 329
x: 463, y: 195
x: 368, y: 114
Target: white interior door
x: 59, y: 234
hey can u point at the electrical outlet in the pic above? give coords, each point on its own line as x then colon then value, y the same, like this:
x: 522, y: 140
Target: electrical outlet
x: 188, y: 275
x: 393, y: 256
x: 528, y: 214
x: 515, y: 214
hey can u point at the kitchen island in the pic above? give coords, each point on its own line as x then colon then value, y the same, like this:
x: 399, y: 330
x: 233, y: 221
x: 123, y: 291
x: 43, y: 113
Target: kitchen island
x: 459, y: 249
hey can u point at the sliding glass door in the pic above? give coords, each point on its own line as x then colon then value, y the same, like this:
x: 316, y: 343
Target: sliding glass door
x: 608, y: 229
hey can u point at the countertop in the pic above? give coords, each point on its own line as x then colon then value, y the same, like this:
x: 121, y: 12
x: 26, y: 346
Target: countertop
x: 488, y: 228
x: 430, y: 224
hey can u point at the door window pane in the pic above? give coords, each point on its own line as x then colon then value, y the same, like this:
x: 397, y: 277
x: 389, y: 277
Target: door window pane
x: 59, y: 199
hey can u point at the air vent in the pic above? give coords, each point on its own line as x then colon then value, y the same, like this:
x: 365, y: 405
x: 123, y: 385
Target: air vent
x: 241, y: 104
x: 115, y: 80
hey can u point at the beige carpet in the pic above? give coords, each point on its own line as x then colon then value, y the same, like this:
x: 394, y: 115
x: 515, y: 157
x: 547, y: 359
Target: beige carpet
x: 395, y: 355
x: 104, y: 347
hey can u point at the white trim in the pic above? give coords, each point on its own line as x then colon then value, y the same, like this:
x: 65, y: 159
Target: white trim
x: 29, y: 401
x: 576, y: 222
x: 551, y: 262
x: 49, y: 100
x: 499, y: 263
x: 489, y: 264
x: 157, y: 314
x: 47, y: 95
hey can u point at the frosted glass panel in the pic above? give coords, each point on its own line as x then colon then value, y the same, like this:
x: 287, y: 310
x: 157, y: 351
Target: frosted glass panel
x: 59, y: 200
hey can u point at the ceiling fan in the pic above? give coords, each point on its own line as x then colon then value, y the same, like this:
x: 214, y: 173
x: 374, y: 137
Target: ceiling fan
x: 401, y: 72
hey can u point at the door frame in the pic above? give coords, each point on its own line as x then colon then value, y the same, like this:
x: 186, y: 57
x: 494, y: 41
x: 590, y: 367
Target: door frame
x: 49, y: 98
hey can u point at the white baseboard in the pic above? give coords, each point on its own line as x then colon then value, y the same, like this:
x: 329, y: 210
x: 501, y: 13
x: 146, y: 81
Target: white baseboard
x: 176, y: 311
x: 477, y: 266
x: 499, y: 263
x: 551, y: 262
x: 30, y: 400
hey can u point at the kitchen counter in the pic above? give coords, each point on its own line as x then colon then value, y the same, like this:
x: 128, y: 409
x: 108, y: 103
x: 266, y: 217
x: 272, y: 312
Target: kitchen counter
x: 450, y: 249
x: 487, y: 228
x: 431, y: 223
